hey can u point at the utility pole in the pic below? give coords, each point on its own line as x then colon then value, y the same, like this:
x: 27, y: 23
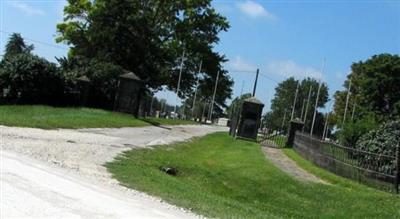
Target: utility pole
x: 161, y: 108
x: 213, y: 98
x: 354, y: 108
x: 325, y: 126
x: 325, y: 132
x: 283, y: 121
x: 294, y: 101
x: 237, y: 104
x: 204, y: 109
x: 347, y: 103
x: 302, y: 109
x: 195, y: 92
x: 255, y: 83
x: 306, y: 112
x: 315, y: 108
x: 151, y: 106
x: 179, y: 81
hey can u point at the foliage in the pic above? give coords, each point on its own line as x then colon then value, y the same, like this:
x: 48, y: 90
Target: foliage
x: 283, y: 101
x: 353, y: 130
x: 234, y: 107
x: 104, y: 83
x: 16, y: 45
x: 201, y: 108
x: 148, y: 38
x: 382, y: 141
x: 220, y: 177
x: 46, y: 117
x: 31, y: 80
x: 103, y: 78
x: 374, y: 88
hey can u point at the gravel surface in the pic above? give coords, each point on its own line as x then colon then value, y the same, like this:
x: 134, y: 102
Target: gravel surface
x: 34, y: 185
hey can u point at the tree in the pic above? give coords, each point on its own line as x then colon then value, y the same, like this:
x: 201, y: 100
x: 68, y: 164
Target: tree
x: 283, y: 101
x: 16, y: 45
x: 103, y: 78
x: 31, y: 80
x: 375, y: 88
x: 234, y: 107
x: 382, y: 141
x: 148, y: 38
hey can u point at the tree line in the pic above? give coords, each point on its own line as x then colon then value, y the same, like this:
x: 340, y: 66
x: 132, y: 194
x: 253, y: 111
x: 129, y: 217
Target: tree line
x: 369, y: 104
x: 107, y: 37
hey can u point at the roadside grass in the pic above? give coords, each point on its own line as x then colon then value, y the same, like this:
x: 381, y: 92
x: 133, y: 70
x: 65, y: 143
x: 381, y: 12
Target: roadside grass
x: 221, y: 177
x: 47, y: 117
x: 324, y: 174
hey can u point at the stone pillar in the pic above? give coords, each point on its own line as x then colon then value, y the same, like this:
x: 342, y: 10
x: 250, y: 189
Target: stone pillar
x: 295, y: 125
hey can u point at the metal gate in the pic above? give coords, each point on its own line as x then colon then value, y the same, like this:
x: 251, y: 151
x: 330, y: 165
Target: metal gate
x: 270, y: 136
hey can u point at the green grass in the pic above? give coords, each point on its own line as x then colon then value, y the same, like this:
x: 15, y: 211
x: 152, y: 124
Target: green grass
x: 280, y: 140
x: 219, y: 176
x: 46, y: 117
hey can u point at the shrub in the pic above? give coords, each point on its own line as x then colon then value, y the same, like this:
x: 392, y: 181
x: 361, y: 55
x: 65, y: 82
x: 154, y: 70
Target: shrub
x: 104, y: 83
x: 30, y: 80
x: 103, y: 78
x: 353, y: 130
x: 382, y: 141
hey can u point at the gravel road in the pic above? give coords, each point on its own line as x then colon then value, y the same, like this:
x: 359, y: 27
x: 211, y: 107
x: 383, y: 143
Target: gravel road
x: 60, y: 173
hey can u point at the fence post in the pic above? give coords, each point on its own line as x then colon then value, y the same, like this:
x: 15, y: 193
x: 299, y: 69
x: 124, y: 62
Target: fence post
x: 294, y: 126
x: 396, y: 183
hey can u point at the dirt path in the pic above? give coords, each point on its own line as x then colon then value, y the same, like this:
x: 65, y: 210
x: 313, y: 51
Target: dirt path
x: 60, y: 173
x: 283, y: 162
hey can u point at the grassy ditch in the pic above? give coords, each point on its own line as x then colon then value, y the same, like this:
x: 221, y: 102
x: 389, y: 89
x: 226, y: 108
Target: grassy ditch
x: 218, y: 176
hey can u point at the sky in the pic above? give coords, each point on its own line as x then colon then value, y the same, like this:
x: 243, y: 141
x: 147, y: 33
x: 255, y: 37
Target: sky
x: 280, y: 38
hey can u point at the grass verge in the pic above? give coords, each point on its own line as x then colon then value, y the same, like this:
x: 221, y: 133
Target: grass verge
x: 221, y: 177
x: 46, y: 117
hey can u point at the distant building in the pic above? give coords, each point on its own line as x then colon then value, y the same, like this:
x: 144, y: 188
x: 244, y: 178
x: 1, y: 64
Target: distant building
x: 222, y: 122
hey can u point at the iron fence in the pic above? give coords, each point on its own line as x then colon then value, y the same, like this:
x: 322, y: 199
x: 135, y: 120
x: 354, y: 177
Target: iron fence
x: 271, y: 137
x: 378, y: 170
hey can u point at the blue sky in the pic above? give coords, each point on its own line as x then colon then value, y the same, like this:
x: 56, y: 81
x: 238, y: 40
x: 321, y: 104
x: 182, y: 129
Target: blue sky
x: 281, y: 38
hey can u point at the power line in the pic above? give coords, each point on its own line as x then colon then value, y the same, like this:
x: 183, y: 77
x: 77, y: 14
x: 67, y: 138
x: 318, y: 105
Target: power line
x: 254, y: 72
x: 269, y: 78
x: 242, y: 71
x: 38, y: 41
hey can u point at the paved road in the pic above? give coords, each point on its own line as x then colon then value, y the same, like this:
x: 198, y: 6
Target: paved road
x: 60, y: 173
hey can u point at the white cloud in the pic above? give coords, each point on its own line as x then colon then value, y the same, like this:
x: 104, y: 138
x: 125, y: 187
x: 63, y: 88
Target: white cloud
x: 254, y: 10
x: 27, y: 9
x: 288, y: 68
x: 239, y: 64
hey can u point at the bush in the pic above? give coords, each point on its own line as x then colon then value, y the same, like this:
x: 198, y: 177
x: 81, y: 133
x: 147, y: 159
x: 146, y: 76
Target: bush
x: 30, y: 79
x: 104, y: 83
x: 382, y: 141
x: 353, y: 130
x: 103, y: 78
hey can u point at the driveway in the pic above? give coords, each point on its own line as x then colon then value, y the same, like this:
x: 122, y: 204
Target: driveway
x: 60, y: 173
